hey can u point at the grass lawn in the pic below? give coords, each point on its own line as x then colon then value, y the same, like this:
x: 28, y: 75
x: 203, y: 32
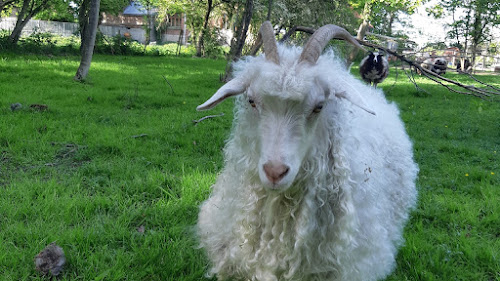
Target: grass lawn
x: 114, y: 170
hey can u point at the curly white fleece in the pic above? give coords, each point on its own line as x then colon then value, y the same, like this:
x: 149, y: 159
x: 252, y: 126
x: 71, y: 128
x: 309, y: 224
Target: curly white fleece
x: 344, y: 215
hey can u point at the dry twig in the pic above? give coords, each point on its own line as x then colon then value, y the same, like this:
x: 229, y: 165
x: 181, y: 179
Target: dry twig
x: 140, y: 136
x: 207, y: 117
x: 166, y: 80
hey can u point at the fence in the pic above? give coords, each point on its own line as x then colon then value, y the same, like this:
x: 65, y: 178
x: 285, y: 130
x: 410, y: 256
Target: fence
x: 60, y: 28
x: 70, y: 28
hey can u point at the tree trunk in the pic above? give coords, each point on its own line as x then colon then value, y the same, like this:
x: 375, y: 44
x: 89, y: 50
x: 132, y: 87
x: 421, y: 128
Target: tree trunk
x: 245, y: 24
x: 367, y: 9
x: 88, y: 38
x: 477, y: 32
x: 258, y: 43
x: 27, y: 12
x: 147, y: 30
x: 392, y: 16
x: 467, y: 29
x: 269, y: 9
x: 474, y: 45
x: 16, y: 32
x: 455, y: 28
x: 200, y: 47
x: 83, y: 18
x: 239, y: 38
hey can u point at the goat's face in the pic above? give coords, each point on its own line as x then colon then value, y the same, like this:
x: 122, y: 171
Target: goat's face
x: 284, y: 106
x: 285, y: 119
x: 285, y: 101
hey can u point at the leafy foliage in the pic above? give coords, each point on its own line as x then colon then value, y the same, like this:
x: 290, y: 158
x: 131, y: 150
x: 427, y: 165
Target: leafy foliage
x: 113, y: 6
x: 383, y: 14
x: 68, y: 10
x: 41, y: 43
x: 59, y: 11
x: 193, y: 10
x: 212, y: 44
x: 472, y: 23
x: 6, y: 7
x: 288, y: 13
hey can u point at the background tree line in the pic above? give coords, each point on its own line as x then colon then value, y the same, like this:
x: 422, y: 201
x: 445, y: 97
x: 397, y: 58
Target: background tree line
x: 473, y: 23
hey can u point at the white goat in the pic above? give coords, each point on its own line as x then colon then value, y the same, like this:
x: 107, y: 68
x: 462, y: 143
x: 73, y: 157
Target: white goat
x: 314, y: 186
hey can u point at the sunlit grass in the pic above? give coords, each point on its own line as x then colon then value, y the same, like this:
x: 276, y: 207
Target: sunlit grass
x: 115, y: 169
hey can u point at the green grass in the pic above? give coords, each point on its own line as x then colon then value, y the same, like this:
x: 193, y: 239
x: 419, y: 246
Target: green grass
x: 455, y: 232
x: 120, y: 154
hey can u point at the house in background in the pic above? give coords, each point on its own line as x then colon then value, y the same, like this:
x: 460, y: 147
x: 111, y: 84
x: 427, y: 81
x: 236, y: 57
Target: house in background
x: 133, y: 20
x: 130, y: 23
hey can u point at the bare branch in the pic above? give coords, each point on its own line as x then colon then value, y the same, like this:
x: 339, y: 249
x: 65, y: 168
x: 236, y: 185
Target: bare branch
x: 471, y: 90
x: 411, y: 77
x: 295, y: 29
x: 483, y: 83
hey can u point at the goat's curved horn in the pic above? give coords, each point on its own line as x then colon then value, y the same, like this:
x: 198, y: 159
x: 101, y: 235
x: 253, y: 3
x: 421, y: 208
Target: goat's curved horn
x: 231, y: 88
x: 270, y: 47
x: 320, y: 38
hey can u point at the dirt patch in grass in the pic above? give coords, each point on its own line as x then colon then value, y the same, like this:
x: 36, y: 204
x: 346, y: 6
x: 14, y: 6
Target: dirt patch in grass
x: 69, y: 155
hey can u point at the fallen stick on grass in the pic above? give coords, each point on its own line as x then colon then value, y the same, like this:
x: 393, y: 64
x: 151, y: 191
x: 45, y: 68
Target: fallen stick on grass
x: 140, y: 136
x: 207, y: 117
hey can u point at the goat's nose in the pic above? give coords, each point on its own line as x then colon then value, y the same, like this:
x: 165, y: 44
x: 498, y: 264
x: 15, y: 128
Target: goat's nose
x: 275, y: 171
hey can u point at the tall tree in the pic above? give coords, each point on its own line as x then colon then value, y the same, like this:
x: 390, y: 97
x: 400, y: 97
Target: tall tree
x: 486, y: 16
x: 381, y: 15
x: 289, y: 13
x: 64, y: 10
x: 197, y: 14
x: 201, y: 38
x: 58, y: 10
x: 473, y: 22
x: 88, y: 19
x: 149, y: 29
x: 239, y: 38
x: 29, y: 9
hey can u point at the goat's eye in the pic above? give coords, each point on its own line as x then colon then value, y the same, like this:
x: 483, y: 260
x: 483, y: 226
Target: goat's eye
x: 252, y: 103
x: 318, y: 108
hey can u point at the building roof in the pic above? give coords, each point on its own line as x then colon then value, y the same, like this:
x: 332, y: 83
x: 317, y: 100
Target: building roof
x: 136, y: 9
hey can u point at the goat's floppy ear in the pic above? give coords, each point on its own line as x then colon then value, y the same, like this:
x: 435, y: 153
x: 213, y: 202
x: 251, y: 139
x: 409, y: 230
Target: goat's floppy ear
x: 231, y: 88
x: 352, y: 96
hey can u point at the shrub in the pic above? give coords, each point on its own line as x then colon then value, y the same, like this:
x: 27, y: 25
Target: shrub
x: 117, y: 45
x: 47, y: 43
x: 4, y: 37
x: 212, y: 44
x: 44, y: 42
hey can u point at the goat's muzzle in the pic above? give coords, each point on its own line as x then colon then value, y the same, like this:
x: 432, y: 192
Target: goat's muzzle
x: 275, y: 171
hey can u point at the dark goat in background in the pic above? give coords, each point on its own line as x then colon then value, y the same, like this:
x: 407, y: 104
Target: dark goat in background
x: 374, y: 68
x: 436, y: 65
